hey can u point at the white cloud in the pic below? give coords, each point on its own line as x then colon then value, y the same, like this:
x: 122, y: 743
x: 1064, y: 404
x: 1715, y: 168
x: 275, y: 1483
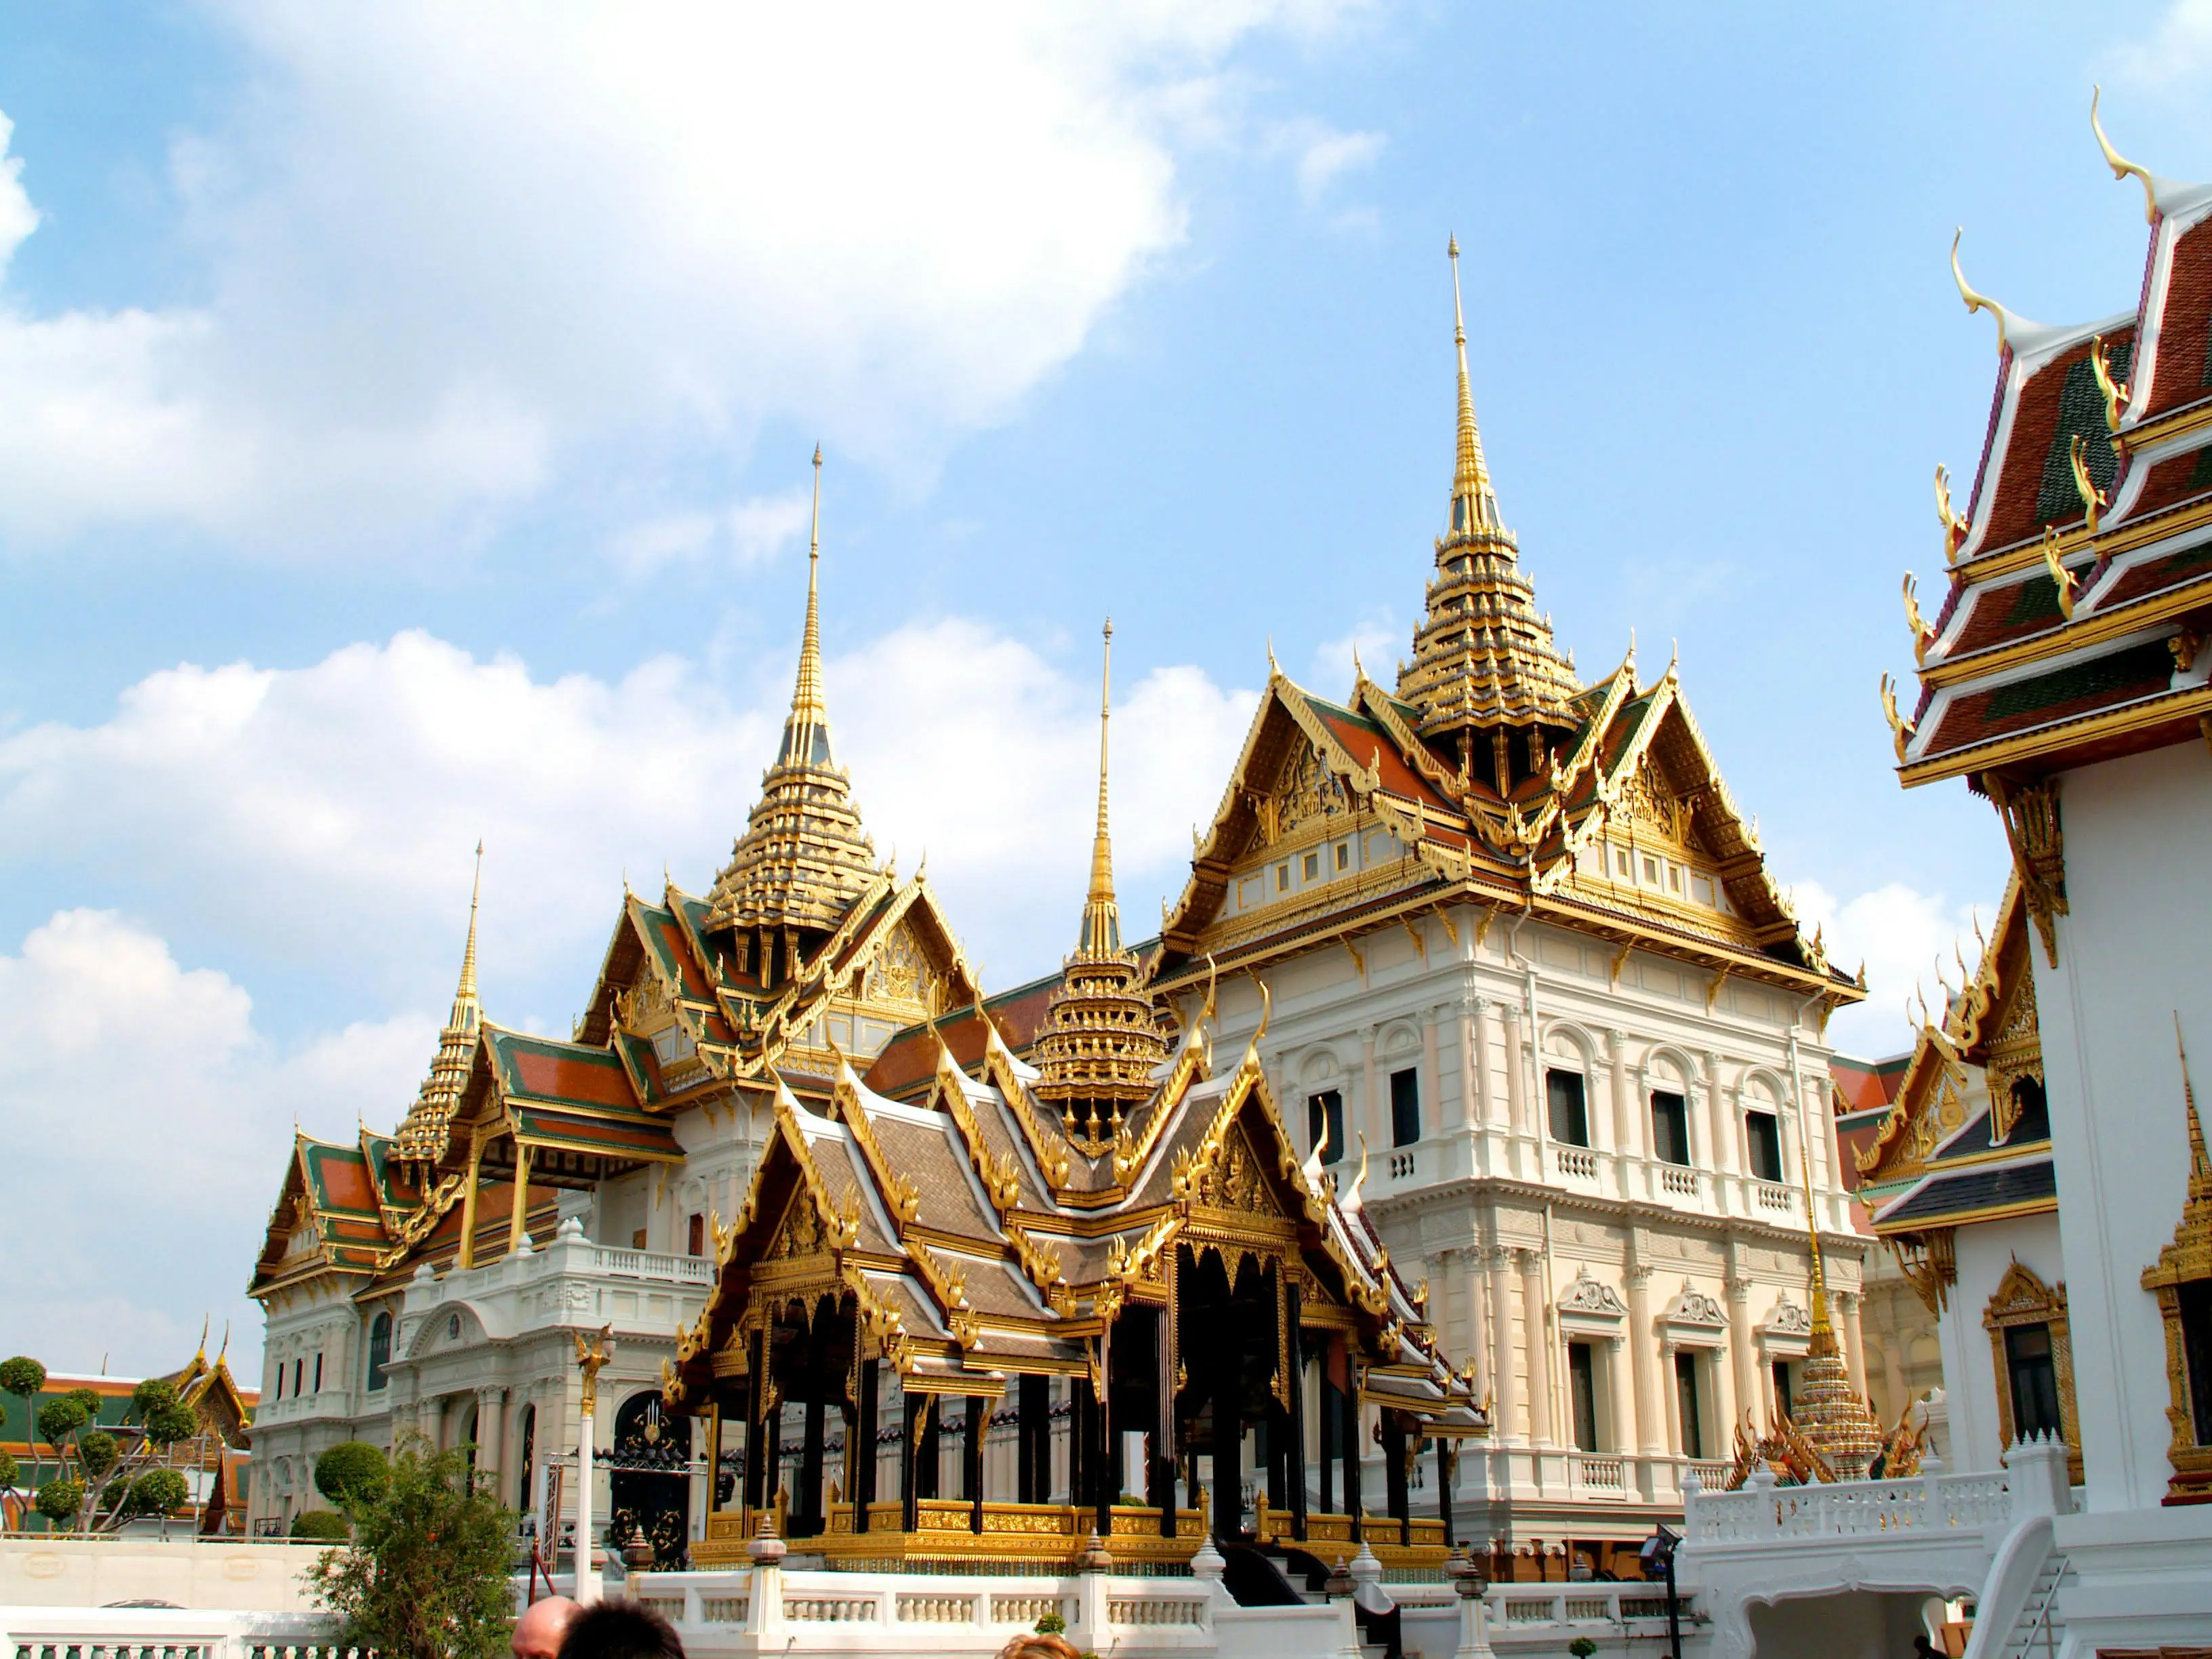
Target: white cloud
x: 1901, y: 934
x: 355, y: 786
x: 147, y: 1123
x: 1324, y: 154
x: 2178, y: 49
x: 448, y: 247
x: 1376, y: 642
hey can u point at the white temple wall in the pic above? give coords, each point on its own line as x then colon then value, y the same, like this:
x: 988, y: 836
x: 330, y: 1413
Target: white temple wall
x: 1986, y: 1252
x: 2141, y: 908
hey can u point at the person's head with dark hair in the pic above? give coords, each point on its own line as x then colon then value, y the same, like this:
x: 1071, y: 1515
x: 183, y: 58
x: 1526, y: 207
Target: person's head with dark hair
x: 620, y: 1630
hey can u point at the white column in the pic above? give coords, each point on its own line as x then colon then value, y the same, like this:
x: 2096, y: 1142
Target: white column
x: 491, y: 1433
x: 1741, y: 1350
x: 1432, y: 1092
x: 1670, y: 1395
x: 589, y: 1587
x: 1505, y: 1406
x: 1618, y: 1389
x: 1463, y: 1110
x: 1478, y: 1017
x: 1626, y: 1142
x: 1371, y: 1110
x: 1466, y: 1265
x: 1536, y: 1339
x: 1516, y: 1070
x: 1643, y: 1345
x: 1724, y: 1153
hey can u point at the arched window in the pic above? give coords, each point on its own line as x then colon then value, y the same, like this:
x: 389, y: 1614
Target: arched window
x: 380, y: 1349
x: 523, y: 1498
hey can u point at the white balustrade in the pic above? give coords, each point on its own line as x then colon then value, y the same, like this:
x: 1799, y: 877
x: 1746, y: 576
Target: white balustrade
x: 1576, y: 1162
x: 1682, y: 1183
x: 1847, y: 1509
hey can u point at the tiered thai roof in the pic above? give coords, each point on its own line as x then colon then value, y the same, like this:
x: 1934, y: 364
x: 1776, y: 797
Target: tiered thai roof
x: 1102, y: 1041
x: 803, y: 859
x: 339, y: 1208
x: 1490, y: 778
x: 1485, y: 664
x: 980, y: 1239
x: 422, y: 1134
x: 2080, y: 577
x: 1968, y: 1140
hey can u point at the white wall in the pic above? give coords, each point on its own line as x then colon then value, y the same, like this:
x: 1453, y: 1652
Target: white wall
x: 1986, y: 1251
x: 2135, y: 845
x: 92, y: 1572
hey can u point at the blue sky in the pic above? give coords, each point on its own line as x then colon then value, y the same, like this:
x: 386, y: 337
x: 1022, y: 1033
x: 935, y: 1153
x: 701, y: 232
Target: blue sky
x: 404, y: 425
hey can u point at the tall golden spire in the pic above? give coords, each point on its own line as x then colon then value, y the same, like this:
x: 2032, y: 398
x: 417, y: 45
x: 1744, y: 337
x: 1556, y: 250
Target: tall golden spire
x: 1483, y: 661
x: 464, y: 994
x: 1101, y: 917
x: 1102, y: 1040
x: 806, y: 729
x: 422, y: 1134
x: 1474, y: 503
x: 803, y: 858
x: 1829, y: 1412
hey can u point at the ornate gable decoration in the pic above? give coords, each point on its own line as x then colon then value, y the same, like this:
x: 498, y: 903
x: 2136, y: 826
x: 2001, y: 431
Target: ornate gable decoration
x: 903, y: 972
x: 1648, y: 806
x: 1587, y: 1297
x: 2016, y: 1052
x: 1788, y: 1319
x: 800, y: 1233
x: 1693, y: 1307
x: 1233, y: 1180
x: 1309, y: 792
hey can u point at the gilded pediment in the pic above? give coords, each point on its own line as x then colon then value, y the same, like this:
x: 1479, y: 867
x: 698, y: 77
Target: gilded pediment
x: 1308, y: 793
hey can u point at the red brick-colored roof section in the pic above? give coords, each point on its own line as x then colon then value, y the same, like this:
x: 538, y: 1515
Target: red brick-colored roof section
x: 2185, y: 321
x: 547, y: 1069
x: 2012, y: 516
x: 909, y: 1060
x: 1369, y: 746
x: 1865, y: 1085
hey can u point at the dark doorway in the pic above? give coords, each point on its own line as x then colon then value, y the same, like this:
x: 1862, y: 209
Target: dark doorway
x: 649, y: 1481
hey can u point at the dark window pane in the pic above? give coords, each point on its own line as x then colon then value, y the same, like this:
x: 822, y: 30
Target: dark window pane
x: 2034, y: 1381
x: 2197, y: 1352
x: 1782, y: 1397
x: 1405, y: 1108
x: 1685, y: 1402
x: 1670, y: 1129
x: 2032, y: 1113
x: 1582, y: 1386
x: 380, y: 1349
x: 1764, y: 1134
x: 1325, y: 1110
x: 1570, y: 1119
x: 697, y: 1240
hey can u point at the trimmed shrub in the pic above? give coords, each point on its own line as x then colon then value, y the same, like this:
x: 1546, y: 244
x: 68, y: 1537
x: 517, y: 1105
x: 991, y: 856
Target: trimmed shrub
x: 325, y: 1524
x: 352, y: 1472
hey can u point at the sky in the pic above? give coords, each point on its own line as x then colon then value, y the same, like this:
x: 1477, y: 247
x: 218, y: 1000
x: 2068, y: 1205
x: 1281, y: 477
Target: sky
x: 405, y: 418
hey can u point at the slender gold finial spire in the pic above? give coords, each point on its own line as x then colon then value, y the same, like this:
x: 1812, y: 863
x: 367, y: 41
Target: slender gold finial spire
x: 806, y: 733
x: 466, y: 992
x: 1474, y: 503
x: 2200, y: 1166
x: 1819, y: 1291
x: 1101, y: 920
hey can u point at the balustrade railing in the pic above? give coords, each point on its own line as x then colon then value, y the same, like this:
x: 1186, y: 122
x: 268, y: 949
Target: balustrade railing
x: 1577, y: 1161
x: 1763, y: 1511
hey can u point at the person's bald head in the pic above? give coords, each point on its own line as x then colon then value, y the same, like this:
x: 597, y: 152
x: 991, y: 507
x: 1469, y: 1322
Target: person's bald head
x: 538, y: 1633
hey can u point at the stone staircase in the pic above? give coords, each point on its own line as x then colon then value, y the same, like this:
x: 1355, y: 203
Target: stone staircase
x: 2039, y: 1629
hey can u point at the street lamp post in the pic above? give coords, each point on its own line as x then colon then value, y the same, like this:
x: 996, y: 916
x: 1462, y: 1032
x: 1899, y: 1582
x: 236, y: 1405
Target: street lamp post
x: 1658, y: 1555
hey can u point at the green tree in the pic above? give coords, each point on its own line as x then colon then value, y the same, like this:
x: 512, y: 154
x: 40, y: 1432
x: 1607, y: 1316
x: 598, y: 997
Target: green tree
x: 60, y: 1500
x: 8, y: 1473
x: 352, y: 1472
x: 157, y: 1491
x: 23, y: 1377
x: 327, y: 1524
x: 426, y: 1574
x: 96, y: 1453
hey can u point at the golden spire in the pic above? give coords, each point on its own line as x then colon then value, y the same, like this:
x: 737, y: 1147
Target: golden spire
x: 803, y: 858
x: 806, y: 730
x: 1102, y: 1039
x: 1474, y: 503
x: 1102, y: 918
x: 422, y: 1134
x: 1484, y: 659
x: 2200, y: 1166
x: 1829, y: 1412
x: 466, y: 1014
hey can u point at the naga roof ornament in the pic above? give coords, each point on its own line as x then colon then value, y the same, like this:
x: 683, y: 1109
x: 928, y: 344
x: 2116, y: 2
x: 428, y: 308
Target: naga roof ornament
x: 803, y: 858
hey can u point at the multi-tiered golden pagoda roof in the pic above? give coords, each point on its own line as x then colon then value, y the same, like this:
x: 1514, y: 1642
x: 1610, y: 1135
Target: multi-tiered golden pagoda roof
x: 1102, y: 1041
x: 1485, y: 668
x: 803, y: 858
